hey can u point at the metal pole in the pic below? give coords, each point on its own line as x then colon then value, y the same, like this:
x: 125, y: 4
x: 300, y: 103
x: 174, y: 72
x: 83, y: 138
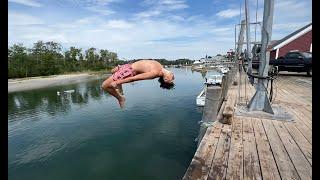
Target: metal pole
x: 238, y: 52
x: 260, y: 100
x: 248, y: 57
x: 255, y: 28
x: 235, y: 45
x: 240, y: 38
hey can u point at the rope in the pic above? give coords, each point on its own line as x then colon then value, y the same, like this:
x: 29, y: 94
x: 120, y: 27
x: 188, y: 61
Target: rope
x: 271, y: 90
x: 275, y: 93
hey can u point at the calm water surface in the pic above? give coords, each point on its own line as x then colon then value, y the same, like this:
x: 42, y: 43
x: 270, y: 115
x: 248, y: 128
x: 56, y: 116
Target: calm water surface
x: 85, y: 135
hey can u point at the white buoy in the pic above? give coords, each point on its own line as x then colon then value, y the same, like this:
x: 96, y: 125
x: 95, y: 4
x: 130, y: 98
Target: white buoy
x: 69, y: 91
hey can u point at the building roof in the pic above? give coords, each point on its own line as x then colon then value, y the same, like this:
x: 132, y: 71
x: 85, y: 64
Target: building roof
x: 272, y: 42
x: 291, y: 36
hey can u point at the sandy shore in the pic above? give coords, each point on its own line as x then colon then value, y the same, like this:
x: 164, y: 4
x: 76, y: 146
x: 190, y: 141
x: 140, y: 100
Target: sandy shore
x: 23, y: 84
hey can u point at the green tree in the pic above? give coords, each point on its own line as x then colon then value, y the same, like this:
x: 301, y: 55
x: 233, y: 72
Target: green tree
x: 47, y: 58
x: 18, y: 61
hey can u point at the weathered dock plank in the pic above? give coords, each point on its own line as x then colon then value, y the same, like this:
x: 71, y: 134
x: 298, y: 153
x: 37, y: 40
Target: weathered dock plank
x: 284, y: 164
x: 220, y: 162
x: 235, y: 165
x: 250, y: 153
x: 299, y: 161
x: 268, y: 165
x: 257, y: 148
x: 302, y: 142
x: 201, y: 163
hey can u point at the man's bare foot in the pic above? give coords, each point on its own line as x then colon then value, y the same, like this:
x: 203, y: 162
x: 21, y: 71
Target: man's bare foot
x: 121, y: 102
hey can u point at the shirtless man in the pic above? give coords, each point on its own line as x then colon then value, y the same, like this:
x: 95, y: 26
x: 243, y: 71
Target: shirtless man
x: 140, y: 70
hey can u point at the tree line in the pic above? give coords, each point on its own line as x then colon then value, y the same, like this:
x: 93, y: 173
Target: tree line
x: 168, y: 62
x: 48, y: 58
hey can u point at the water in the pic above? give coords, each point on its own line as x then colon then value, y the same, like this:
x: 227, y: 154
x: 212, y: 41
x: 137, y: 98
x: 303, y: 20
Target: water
x: 85, y: 135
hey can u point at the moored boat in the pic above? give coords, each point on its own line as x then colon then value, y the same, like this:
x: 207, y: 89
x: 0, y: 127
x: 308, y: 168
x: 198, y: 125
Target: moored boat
x: 201, y: 98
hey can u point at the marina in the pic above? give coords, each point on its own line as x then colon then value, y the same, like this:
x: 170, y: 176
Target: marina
x: 258, y: 124
x: 85, y: 135
x: 259, y: 147
x: 160, y: 90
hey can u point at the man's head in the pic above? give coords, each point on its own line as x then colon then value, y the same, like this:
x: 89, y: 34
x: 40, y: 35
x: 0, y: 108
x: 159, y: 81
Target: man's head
x: 168, y: 76
x: 166, y: 81
x: 165, y: 85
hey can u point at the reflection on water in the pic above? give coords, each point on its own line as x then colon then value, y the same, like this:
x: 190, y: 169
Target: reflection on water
x: 26, y: 103
x: 85, y: 135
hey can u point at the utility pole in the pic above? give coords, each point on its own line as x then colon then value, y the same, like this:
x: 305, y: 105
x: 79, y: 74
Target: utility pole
x: 260, y: 101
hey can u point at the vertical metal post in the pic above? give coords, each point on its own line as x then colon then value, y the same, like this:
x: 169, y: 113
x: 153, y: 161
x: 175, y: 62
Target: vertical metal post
x: 248, y: 55
x: 255, y: 28
x: 238, y: 52
x: 240, y: 38
x: 235, y: 44
x: 260, y: 100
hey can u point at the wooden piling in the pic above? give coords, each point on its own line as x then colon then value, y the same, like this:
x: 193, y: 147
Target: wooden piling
x: 213, y: 99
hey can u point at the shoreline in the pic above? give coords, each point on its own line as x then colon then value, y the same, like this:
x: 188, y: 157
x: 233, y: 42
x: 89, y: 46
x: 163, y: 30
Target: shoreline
x: 23, y: 84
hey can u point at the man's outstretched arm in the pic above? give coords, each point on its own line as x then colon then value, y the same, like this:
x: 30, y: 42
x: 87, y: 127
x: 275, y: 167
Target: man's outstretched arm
x: 142, y: 76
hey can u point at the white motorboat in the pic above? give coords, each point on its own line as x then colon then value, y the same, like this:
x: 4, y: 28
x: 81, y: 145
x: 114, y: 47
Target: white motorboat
x: 222, y: 69
x: 199, y: 67
x: 214, y: 79
x: 201, y: 98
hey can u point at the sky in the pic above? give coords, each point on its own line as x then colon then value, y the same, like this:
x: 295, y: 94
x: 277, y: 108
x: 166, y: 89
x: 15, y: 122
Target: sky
x: 134, y: 29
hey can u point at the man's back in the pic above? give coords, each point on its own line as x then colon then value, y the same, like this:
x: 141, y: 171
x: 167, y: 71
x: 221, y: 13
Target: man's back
x: 143, y: 66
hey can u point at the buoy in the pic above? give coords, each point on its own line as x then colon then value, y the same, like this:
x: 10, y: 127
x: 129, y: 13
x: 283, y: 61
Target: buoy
x: 69, y: 91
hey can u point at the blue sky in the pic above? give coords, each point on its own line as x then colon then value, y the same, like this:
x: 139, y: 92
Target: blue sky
x: 168, y: 29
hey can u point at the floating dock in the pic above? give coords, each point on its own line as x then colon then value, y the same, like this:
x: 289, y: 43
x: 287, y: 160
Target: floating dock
x: 258, y: 147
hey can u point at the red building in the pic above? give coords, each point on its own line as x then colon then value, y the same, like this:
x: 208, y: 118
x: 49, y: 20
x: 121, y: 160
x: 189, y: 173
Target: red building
x: 300, y: 40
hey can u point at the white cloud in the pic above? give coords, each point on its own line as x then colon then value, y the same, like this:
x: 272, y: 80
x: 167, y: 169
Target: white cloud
x: 289, y: 16
x: 101, y: 10
x: 149, y: 13
x: 174, y: 35
x: 159, y: 7
x: 174, y: 4
x: 86, y: 3
x: 31, y: 3
x: 221, y: 29
x: 118, y: 24
x: 97, y: 6
x: 292, y: 11
x: 138, y: 35
x: 229, y: 13
x: 176, y: 18
x: 15, y: 18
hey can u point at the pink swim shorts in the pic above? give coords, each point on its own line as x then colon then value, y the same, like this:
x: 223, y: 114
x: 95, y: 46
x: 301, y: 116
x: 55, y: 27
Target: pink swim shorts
x: 123, y: 72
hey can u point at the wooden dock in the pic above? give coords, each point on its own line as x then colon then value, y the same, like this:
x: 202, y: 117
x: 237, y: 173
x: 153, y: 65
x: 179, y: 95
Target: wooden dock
x: 260, y: 148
